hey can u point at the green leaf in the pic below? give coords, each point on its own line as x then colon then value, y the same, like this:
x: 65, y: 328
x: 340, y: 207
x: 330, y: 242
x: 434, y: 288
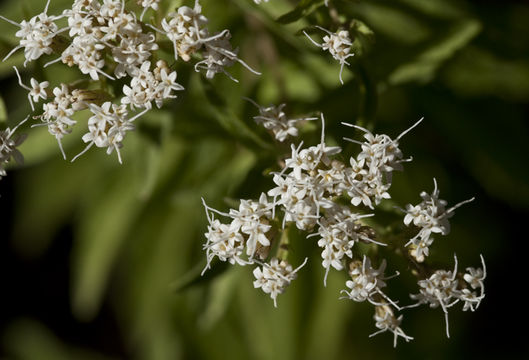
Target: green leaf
x: 46, y: 195
x: 390, y: 21
x: 219, y: 298
x: 479, y: 72
x: 423, y: 67
x: 330, y: 314
x: 27, y: 339
x: 226, y: 117
x: 3, y: 111
x: 363, y: 38
x: 302, y: 9
x: 193, y: 277
x: 108, y: 216
x: 437, y: 8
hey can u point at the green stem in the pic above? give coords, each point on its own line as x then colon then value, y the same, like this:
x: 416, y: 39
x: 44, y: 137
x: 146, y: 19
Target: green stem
x: 282, y: 249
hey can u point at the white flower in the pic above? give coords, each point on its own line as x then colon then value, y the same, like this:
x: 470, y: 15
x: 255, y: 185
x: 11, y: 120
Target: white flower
x: 273, y: 278
x: 250, y: 222
x: 369, y: 178
x: 146, y: 86
x: 273, y: 118
x: 338, y: 232
x: 105, y: 117
x: 365, y: 282
x: 87, y: 55
x: 146, y: 4
x: 107, y: 127
x: 444, y: 289
x: 57, y: 114
x: 476, y: 279
x: 339, y: 45
x: 134, y: 47
x: 79, y: 23
x: 385, y: 320
x: 110, y: 8
x: 37, y: 90
x: 252, y: 218
x: 8, y: 146
x: 186, y: 29
x: 225, y: 242
x: 36, y: 35
x: 219, y: 54
x: 431, y: 216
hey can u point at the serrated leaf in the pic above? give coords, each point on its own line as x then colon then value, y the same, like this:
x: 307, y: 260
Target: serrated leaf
x: 425, y: 65
x: 302, y: 9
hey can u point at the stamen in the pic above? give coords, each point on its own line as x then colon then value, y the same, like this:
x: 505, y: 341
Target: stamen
x: 82, y: 152
x: 409, y: 129
x: 311, y: 40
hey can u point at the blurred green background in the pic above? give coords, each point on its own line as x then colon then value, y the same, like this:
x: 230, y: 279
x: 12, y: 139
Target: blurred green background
x: 91, y: 251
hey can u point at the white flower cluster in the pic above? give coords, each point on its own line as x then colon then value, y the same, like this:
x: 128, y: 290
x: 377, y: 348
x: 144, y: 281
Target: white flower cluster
x: 385, y: 320
x: 246, y: 235
x: 36, y: 35
x: 445, y: 289
x: 306, y: 191
x: 8, y: 147
x: 187, y: 30
x: 365, y: 285
x: 147, y: 86
x: 338, y: 231
x: 312, y: 193
x: 102, y: 30
x: 431, y: 216
x: 107, y: 127
x: 247, y: 240
x: 366, y: 281
x: 274, y: 119
x: 339, y: 44
x: 273, y: 278
x: 371, y: 170
x: 105, y: 39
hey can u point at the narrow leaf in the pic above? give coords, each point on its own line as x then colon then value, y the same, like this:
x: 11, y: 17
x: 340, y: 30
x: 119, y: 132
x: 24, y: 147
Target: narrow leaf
x: 103, y: 228
x: 424, y: 66
x: 304, y: 8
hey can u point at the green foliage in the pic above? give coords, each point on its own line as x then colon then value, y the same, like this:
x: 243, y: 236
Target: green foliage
x: 138, y: 228
x: 302, y: 9
x: 3, y: 111
x: 423, y: 67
